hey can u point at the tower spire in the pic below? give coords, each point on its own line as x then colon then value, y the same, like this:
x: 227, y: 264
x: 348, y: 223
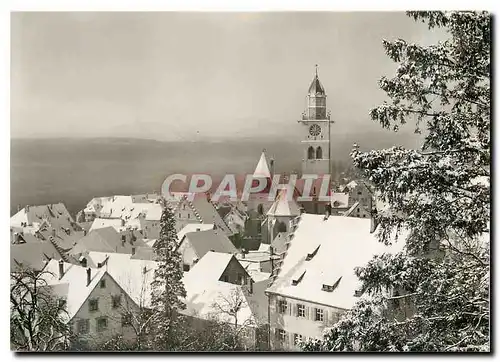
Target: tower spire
x: 316, y: 69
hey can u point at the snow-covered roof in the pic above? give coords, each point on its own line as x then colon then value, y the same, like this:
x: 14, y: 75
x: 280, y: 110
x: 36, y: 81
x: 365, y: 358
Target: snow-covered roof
x: 210, y: 267
x: 99, y: 223
x: 75, y: 277
x: 107, y: 240
x: 254, y: 256
x: 207, y: 214
x: 206, y: 302
x: 284, y: 207
x: 189, y: 228
x: 134, y: 276
x: 34, y: 255
x: 209, y: 240
x: 124, y: 207
x: 262, y: 169
x: 279, y: 242
x: 334, y: 247
x: 339, y: 199
x: 264, y: 247
x: 56, y: 215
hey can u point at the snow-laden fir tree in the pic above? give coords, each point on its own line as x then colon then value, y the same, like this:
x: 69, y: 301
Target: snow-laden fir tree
x: 167, y: 288
x: 439, y: 195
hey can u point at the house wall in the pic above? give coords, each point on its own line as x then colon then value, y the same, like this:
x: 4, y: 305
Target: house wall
x: 151, y: 228
x: 360, y: 193
x: 306, y: 326
x: 184, y: 215
x: 187, y: 253
x: 235, y: 273
x: 113, y: 315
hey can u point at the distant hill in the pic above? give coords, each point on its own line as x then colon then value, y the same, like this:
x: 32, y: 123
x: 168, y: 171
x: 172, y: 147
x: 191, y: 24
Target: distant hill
x: 75, y: 170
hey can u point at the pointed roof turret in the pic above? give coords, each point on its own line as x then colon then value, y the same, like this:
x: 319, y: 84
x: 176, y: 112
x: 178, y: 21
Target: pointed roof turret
x: 316, y: 88
x: 262, y: 169
x: 284, y: 207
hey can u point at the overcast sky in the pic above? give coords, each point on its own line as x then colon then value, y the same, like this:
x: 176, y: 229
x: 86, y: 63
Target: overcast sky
x: 196, y: 75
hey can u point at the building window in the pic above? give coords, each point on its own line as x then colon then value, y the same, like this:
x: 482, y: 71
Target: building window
x: 102, y: 324
x: 281, y: 335
x: 301, y: 310
x: 189, y: 215
x: 319, y: 153
x: 116, y: 301
x: 179, y: 215
x: 102, y: 284
x: 126, y: 319
x: 283, y: 306
x: 310, y: 153
x: 93, y: 305
x: 83, y: 326
x: 185, y: 267
x: 318, y: 315
x: 297, y: 338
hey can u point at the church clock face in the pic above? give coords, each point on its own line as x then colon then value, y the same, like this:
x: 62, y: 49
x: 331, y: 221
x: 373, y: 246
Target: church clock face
x: 314, y: 130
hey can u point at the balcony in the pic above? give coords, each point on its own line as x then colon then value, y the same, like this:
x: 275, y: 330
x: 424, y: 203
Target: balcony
x: 306, y: 117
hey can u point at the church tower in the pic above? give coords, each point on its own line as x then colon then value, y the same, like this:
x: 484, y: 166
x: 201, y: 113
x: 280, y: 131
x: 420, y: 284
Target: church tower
x: 316, y: 140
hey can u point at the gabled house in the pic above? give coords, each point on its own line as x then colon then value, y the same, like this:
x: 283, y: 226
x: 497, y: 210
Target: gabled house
x: 198, y: 211
x: 94, y: 301
x: 314, y: 282
x: 211, y: 298
x: 109, y: 240
x: 194, y: 245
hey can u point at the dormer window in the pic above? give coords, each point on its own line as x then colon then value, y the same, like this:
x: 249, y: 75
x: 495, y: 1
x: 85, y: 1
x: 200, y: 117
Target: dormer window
x: 331, y: 287
x: 311, y: 255
x: 327, y: 288
x: 297, y: 280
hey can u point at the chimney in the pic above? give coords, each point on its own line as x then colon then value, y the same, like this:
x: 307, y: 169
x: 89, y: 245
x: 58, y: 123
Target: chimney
x: 27, y: 208
x: 88, y: 276
x: 250, y: 289
x: 54, y: 232
x: 18, y: 208
x: 133, y: 251
x: 271, y: 164
x: 61, y: 269
x: 328, y: 211
x: 84, y: 232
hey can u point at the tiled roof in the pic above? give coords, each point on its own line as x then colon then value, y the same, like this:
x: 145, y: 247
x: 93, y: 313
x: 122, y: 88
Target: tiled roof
x: 190, y: 228
x: 34, y: 255
x: 105, y: 240
x: 209, y: 240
